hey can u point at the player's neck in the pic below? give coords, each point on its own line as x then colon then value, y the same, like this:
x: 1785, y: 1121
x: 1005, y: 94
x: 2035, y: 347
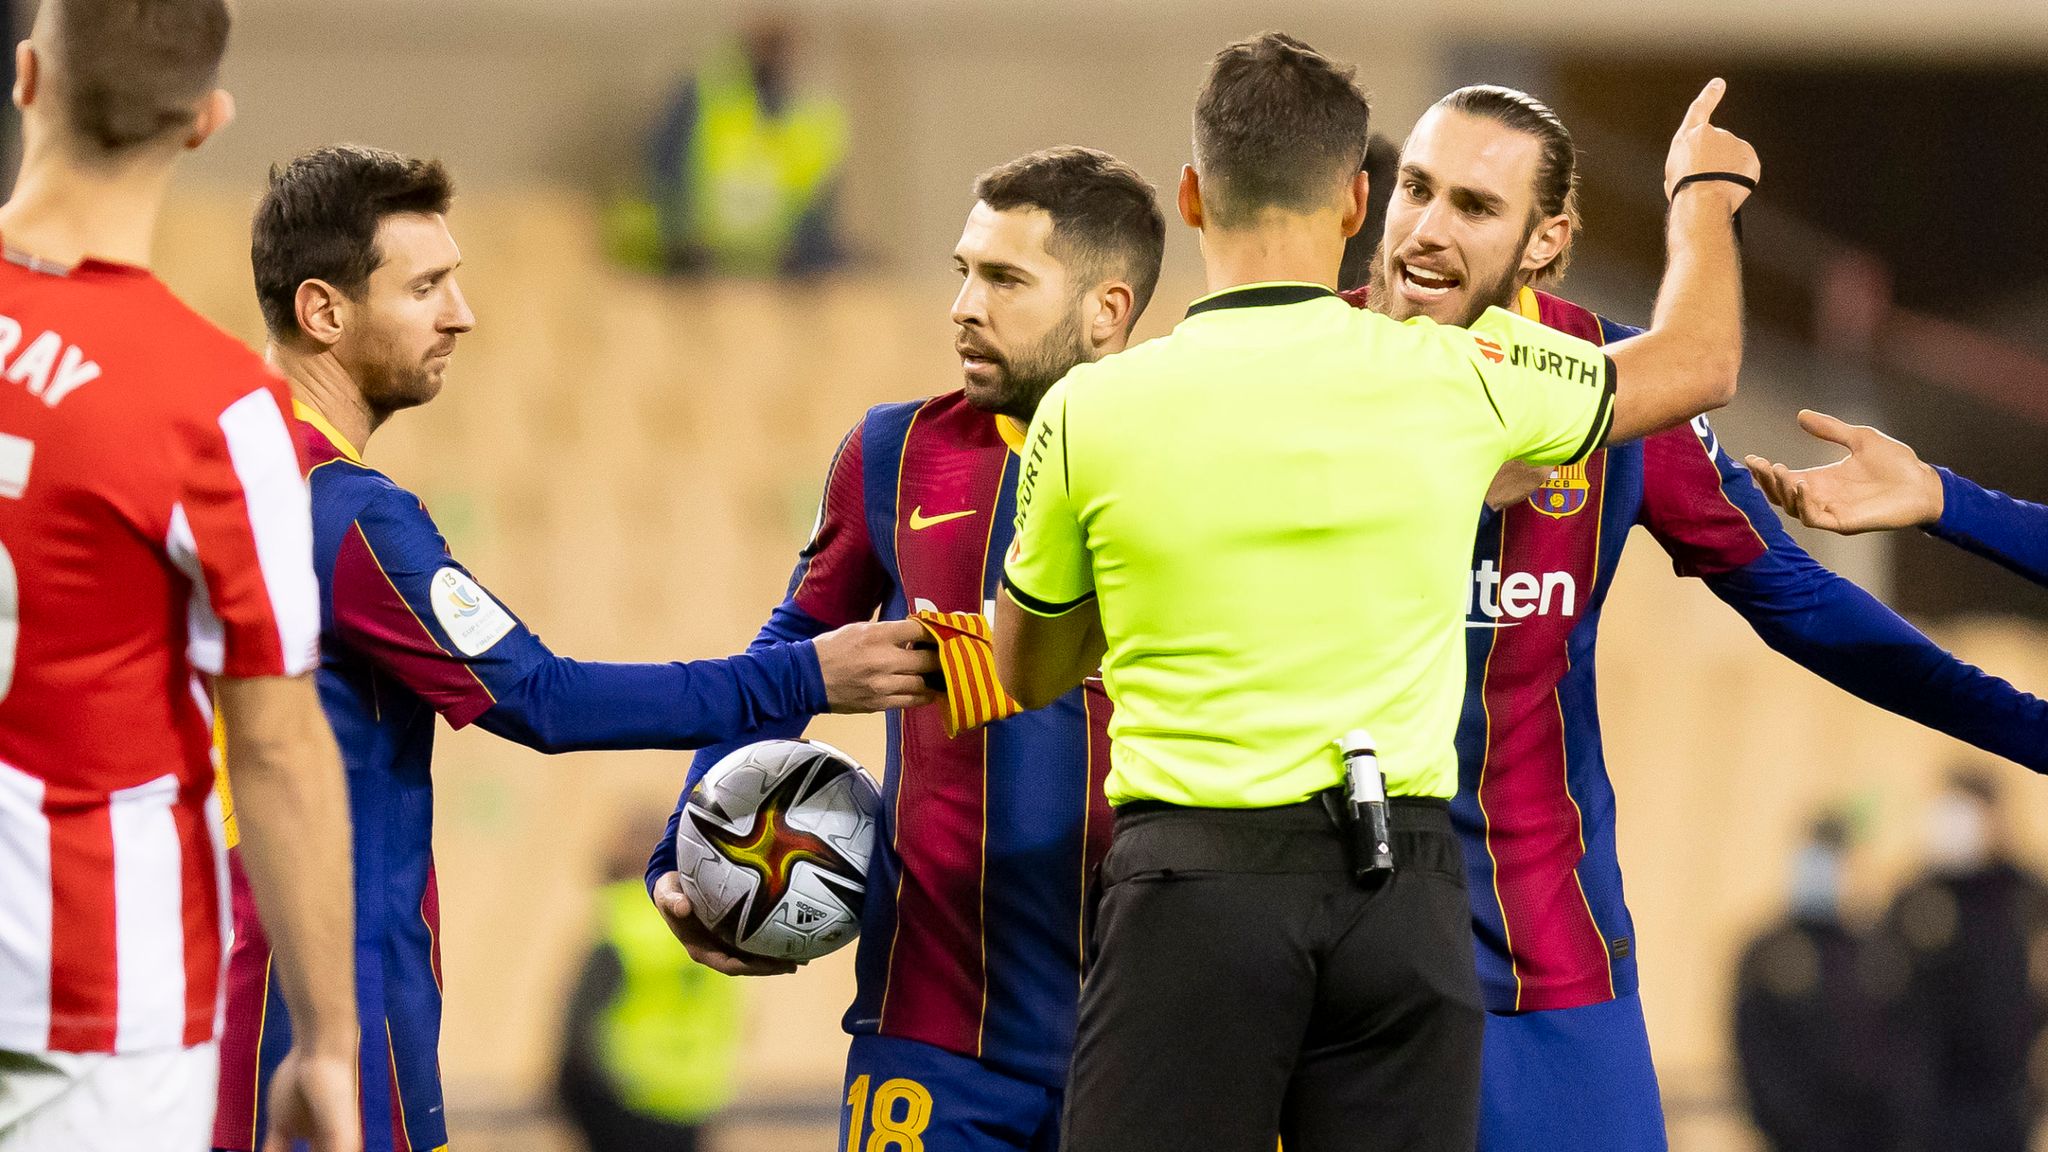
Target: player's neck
x: 320, y: 382
x: 1283, y: 247
x: 63, y: 214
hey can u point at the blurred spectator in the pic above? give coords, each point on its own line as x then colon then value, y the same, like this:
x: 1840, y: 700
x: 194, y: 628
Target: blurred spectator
x: 1976, y: 926
x: 1817, y: 1019
x: 652, y: 1036
x: 743, y: 171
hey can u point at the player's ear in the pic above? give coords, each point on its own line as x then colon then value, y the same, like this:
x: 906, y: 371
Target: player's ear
x: 1356, y: 204
x: 1190, y: 196
x: 1546, y: 243
x: 216, y: 112
x: 28, y: 74
x: 1110, y: 317
x: 322, y: 311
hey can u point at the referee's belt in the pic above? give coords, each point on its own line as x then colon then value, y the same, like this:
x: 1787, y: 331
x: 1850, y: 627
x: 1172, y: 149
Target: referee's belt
x: 1154, y: 836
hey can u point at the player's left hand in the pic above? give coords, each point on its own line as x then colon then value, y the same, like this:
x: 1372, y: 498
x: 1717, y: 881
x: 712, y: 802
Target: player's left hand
x: 698, y: 941
x: 1881, y: 484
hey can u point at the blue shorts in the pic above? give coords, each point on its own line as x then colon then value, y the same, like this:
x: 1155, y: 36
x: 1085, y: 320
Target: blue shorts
x: 903, y: 1095
x: 1577, y: 1078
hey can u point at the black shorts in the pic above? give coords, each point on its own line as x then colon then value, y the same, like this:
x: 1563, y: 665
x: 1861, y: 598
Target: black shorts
x: 1246, y: 988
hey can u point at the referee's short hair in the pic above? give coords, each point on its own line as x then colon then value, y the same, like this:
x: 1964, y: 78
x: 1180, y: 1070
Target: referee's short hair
x: 1277, y: 125
x: 127, y: 73
x: 318, y: 220
x: 1105, y: 217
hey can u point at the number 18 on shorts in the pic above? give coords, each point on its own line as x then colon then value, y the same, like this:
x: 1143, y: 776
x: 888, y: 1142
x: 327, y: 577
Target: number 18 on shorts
x: 906, y: 1096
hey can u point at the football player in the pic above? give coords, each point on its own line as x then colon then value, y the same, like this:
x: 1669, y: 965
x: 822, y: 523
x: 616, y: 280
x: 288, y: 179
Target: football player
x: 154, y: 549
x: 356, y: 275
x: 1485, y: 211
x: 975, y: 928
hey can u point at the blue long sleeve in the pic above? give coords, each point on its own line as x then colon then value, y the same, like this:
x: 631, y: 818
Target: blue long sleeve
x: 1995, y: 526
x: 1846, y: 636
x: 403, y: 599
x: 564, y: 705
x: 787, y: 627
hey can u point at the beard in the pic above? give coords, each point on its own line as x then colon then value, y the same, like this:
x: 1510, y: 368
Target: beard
x: 1497, y: 291
x: 1023, y: 377
x: 393, y: 378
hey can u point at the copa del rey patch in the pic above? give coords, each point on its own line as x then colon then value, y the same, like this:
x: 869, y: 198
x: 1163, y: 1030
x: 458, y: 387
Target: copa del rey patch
x: 467, y: 613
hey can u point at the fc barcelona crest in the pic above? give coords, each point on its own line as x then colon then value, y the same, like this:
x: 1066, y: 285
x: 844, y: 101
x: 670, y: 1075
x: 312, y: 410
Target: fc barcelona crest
x: 1563, y: 494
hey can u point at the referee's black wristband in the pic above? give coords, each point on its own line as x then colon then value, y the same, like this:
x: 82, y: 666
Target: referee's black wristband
x: 1722, y: 177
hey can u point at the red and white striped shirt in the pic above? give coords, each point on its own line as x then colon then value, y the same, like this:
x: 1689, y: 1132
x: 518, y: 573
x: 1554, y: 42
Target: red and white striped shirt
x: 154, y: 530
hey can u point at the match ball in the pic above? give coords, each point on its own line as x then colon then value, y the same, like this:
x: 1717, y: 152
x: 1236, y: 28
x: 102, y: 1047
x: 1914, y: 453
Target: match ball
x: 773, y: 848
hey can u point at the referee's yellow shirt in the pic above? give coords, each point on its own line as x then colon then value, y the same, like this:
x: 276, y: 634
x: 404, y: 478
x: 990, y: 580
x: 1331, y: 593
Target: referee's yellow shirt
x: 1275, y: 504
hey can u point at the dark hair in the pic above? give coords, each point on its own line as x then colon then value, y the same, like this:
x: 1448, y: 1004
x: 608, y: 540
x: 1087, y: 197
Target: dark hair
x: 318, y: 221
x: 1105, y: 217
x: 1277, y: 125
x: 1557, y: 165
x: 131, y: 72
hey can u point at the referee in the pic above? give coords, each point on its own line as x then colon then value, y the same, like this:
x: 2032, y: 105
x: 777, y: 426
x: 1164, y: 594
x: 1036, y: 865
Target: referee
x: 1260, y: 527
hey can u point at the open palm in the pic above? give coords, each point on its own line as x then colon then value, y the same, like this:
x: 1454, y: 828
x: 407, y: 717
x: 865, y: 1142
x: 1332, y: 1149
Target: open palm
x: 1881, y: 484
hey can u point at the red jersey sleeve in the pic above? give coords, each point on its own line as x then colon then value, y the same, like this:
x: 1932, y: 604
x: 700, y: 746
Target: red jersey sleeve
x: 839, y: 579
x: 242, y: 530
x: 1698, y: 503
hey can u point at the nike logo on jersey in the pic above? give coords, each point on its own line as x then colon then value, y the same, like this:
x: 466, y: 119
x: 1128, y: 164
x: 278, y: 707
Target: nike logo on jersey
x: 919, y: 521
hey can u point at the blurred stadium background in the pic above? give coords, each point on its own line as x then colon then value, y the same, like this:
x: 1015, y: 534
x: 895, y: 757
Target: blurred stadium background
x: 631, y: 461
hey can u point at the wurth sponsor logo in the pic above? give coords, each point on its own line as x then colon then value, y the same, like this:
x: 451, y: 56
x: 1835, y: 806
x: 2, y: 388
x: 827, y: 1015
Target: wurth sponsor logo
x: 1504, y: 599
x: 1556, y: 364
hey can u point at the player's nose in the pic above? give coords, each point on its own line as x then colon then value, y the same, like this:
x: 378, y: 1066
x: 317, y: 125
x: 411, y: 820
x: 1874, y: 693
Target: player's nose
x: 1432, y: 226
x: 458, y: 318
x: 968, y: 306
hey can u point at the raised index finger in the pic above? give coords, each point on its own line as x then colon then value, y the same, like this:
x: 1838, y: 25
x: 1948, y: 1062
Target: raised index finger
x: 1703, y: 105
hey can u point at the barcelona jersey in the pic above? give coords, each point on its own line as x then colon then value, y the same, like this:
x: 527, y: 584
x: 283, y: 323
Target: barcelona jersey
x: 1535, y: 807
x: 407, y: 634
x: 974, y: 928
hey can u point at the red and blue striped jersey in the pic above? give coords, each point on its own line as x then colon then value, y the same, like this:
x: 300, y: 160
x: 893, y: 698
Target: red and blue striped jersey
x: 408, y: 634
x: 1535, y: 807
x: 974, y: 928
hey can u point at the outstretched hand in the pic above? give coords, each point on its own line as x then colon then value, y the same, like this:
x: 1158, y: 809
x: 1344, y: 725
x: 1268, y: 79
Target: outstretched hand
x: 1881, y: 484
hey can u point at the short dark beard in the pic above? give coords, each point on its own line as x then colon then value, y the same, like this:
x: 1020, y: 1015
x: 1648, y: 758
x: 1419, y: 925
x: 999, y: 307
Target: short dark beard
x: 1500, y: 294
x: 1031, y: 372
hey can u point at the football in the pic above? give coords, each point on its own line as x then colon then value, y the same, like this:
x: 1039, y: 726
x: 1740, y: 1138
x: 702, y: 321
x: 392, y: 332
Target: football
x: 773, y: 848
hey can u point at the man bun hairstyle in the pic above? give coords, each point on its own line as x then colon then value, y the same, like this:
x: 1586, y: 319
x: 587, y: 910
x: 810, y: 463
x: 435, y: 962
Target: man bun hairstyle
x: 1278, y: 125
x: 1106, y: 222
x: 318, y: 220
x: 1557, y: 165
x: 127, y: 73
